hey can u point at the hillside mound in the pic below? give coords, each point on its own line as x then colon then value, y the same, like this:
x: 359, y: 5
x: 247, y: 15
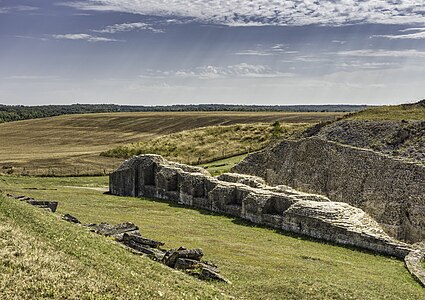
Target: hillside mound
x: 394, y: 130
x: 206, y: 144
x: 42, y: 257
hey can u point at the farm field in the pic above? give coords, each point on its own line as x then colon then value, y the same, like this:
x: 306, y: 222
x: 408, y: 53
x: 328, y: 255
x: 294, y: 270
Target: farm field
x: 71, y: 144
x: 261, y: 263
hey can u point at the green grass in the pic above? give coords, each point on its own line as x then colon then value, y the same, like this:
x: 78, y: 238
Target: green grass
x: 260, y: 262
x: 223, y: 165
x: 43, y: 257
x: 211, y: 143
x: 391, y: 113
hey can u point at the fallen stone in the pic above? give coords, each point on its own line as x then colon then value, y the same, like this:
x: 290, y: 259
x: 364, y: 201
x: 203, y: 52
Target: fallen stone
x: 172, y: 255
x: 51, y: 205
x: 152, y: 252
x: 120, y: 236
x: 185, y: 263
x: 111, y: 230
x: 137, y: 238
x: 208, y: 274
x: 71, y: 219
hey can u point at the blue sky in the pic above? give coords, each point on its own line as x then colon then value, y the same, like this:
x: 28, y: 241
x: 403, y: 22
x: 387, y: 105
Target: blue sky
x: 158, y: 52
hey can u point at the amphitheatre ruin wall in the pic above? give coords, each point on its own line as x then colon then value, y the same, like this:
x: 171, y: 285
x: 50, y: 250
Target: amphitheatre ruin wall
x: 250, y: 198
x: 390, y: 190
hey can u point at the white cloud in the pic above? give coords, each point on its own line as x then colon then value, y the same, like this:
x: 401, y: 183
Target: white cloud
x: 261, y: 50
x: 83, y: 37
x: 19, y: 8
x: 420, y: 34
x: 270, y: 12
x: 31, y: 77
x: 382, y: 53
x: 124, y: 27
x: 412, y: 29
x: 242, y: 70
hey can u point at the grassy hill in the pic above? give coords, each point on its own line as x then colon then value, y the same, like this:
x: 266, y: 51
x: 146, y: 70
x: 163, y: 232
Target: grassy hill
x: 414, y: 112
x: 71, y: 144
x: 42, y: 257
x: 262, y: 263
x: 211, y: 143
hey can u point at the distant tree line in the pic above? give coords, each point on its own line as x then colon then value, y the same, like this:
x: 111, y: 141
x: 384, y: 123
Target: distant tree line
x: 10, y: 113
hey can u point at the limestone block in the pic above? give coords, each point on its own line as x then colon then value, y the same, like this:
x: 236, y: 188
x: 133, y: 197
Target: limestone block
x: 249, y: 180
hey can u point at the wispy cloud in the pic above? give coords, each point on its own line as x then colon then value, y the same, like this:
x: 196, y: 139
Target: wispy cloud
x: 382, y: 53
x: 31, y: 37
x: 83, y: 37
x: 262, y: 50
x: 17, y: 8
x: 419, y: 34
x: 31, y: 77
x: 242, y: 70
x: 266, y: 12
x: 124, y: 27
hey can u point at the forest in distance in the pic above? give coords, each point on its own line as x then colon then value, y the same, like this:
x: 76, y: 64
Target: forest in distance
x: 9, y: 113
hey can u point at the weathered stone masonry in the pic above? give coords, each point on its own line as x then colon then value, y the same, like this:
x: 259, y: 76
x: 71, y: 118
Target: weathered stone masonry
x: 249, y: 198
x: 391, y: 190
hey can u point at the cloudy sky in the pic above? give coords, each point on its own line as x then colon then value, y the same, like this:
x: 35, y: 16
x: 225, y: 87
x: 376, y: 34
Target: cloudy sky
x: 155, y: 52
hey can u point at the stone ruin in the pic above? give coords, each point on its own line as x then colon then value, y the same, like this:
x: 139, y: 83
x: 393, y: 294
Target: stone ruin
x: 389, y: 189
x: 280, y: 207
x: 249, y: 198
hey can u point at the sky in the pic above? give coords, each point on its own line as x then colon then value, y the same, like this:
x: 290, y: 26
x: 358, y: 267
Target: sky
x: 162, y: 52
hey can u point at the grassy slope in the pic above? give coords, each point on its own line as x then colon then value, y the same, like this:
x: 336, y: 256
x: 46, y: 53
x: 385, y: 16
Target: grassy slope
x: 392, y: 113
x: 261, y: 263
x: 210, y: 143
x: 71, y: 144
x: 223, y: 165
x: 42, y: 257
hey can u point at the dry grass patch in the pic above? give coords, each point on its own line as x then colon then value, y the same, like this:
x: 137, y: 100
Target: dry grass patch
x: 414, y: 111
x: 211, y: 143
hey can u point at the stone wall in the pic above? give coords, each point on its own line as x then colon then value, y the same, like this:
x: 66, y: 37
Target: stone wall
x: 391, y: 190
x: 249, y: 198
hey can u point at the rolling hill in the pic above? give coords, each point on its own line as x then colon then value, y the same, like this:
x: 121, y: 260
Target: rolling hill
x: 71, y: 144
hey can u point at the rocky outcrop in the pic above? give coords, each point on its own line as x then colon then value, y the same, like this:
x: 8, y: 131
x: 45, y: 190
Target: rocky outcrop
x: 278, y: 207
x: 396, y: 138
x: 391, y: 190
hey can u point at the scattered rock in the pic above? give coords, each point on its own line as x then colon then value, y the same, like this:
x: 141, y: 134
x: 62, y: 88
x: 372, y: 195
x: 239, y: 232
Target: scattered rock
x: 208, y: 274
x: 71, y: 219
x: 137, y: 238
x: 111, y: 230
x: 172, y: 255
x: 51, y: 205
x: 186, y: 263
x: 182, y: 258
